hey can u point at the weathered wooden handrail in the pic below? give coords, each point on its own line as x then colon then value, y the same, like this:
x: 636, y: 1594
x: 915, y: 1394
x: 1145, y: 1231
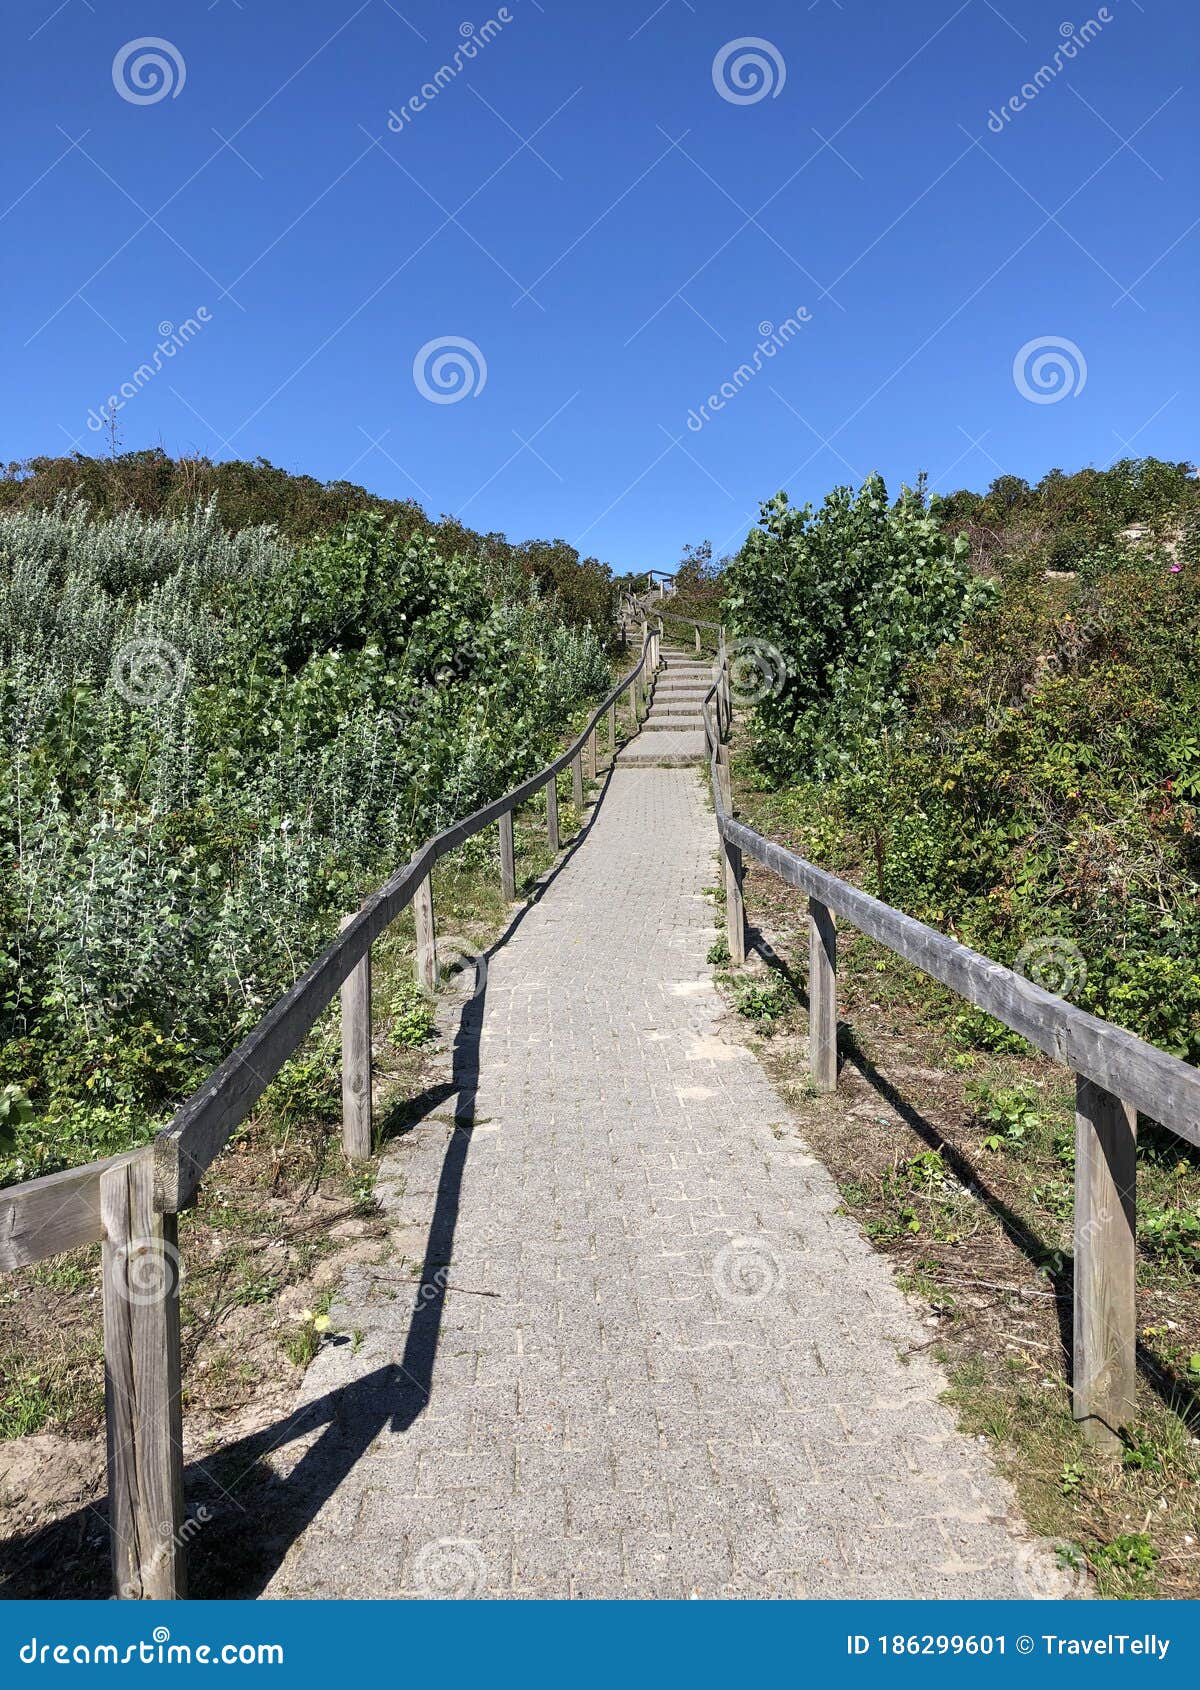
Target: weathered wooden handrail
x: 129, y: 1202
x: 1117, y: 1074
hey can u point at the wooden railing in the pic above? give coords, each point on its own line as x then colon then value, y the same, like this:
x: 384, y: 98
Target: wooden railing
x: 1116, y: 1076
x: 129, y: 1203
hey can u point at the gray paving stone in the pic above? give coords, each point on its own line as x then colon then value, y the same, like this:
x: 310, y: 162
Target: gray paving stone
x: 622, y: 1417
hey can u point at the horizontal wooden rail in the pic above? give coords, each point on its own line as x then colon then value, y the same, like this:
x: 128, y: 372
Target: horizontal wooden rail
x: 1116, y: 1076
x: 58, y: 1212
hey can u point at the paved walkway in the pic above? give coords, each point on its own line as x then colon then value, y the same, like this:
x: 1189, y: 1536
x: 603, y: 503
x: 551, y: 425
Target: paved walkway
x: 659, y: 1363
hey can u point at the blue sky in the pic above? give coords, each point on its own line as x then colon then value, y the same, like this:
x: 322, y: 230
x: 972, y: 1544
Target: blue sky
x: 613, y: 236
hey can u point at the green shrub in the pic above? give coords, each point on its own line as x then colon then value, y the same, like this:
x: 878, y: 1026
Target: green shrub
x: 847, y: 599
x: 211, y: 745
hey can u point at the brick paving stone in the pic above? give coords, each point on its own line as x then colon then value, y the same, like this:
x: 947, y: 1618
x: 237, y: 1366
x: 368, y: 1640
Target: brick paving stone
x: 686, y: 1376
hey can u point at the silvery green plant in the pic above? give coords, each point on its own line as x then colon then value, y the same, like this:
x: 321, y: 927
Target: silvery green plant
x: 213, y: 745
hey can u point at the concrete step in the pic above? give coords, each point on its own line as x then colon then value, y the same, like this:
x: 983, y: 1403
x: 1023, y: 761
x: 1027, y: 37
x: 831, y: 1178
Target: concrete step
x: 662, y: 751
x: 674, y: 724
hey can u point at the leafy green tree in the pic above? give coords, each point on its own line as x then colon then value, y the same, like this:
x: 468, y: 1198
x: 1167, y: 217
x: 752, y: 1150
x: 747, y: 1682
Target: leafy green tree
x: 841, y: 603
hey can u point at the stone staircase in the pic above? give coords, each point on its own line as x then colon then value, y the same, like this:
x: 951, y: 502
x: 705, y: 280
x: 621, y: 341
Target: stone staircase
x: 672, y: 735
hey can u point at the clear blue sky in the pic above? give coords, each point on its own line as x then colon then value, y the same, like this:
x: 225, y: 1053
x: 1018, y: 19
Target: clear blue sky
x: 610, y: 232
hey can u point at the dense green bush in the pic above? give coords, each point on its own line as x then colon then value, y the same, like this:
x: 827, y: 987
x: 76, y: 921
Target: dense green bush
x: 213, y: 744
x: 1020, y: 768
x: 834, y: 607
x: 1063, y: 520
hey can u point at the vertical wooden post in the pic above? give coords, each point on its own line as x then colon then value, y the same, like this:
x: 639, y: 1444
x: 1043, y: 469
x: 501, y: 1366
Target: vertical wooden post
x: 552, y: 812
x: 1105, y: 1329
x: 426, y: 935
x: 697, y: 639
x: 143, y: 1411
x: 508, y: 857
x: 735, y: 907
x: 577, y: 781
x: 612, y: 730
x: 631, y: 703
x: 822, y: 995
x: 589, y: 750
x: 356, y: 1059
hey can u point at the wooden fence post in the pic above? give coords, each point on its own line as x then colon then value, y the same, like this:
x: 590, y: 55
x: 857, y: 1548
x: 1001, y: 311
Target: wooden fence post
x: 612, y: 730
x: 577, y: 781
x: 735, y: 907
x: 697, y: 639
x: 631, y: 704
x: 508, y: 857
x: 356, y: 1059
x: 589, y: 749
x: 822, y: 995
x: 552, y: 812
x: 143, y: 1411
x: 426, y: 935
x: 1105, y: 1323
